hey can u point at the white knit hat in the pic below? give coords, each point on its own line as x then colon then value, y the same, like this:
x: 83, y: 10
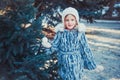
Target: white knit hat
x: 80, y: 27
x: 72, y: 11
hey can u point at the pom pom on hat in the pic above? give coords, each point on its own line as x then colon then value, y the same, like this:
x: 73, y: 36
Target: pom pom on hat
x: 72, y: 11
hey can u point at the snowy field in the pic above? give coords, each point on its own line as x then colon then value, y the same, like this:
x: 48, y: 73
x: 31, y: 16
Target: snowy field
x: 104, y: 40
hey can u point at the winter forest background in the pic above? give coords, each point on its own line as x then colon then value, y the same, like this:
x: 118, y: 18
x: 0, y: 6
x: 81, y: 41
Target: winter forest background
x: 21, y: 24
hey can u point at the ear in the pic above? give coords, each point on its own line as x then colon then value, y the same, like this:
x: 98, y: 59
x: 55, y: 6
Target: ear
x: 81, y: 27
x: 59, y: 27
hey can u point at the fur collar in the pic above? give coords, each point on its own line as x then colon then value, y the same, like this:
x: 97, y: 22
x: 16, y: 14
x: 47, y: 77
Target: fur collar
x: 60, y: 27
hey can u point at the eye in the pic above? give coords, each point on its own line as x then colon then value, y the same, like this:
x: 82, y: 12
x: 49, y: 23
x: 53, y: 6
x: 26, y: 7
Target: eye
x: 72, y: 19
x: 66, y: 19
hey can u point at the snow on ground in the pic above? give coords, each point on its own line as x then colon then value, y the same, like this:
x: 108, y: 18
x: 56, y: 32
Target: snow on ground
x: 104, y: 40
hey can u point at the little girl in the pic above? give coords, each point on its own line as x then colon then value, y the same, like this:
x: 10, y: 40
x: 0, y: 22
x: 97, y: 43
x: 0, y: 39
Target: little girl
x: 71, y: 45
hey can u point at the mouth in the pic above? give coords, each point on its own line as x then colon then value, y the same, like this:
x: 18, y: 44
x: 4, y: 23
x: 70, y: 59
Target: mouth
x: 69, y: 25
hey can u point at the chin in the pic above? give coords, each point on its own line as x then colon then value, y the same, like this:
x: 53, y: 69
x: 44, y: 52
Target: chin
x: 69, y: 28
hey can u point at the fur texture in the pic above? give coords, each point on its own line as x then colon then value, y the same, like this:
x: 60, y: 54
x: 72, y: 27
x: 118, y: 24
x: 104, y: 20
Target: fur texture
x: 60, y: 27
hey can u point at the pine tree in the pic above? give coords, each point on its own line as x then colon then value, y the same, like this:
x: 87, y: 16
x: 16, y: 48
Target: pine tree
x: 21, y: 55
x: 52, y: 9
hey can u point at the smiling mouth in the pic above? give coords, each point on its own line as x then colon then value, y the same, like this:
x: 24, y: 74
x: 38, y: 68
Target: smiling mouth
x: 69, y: 25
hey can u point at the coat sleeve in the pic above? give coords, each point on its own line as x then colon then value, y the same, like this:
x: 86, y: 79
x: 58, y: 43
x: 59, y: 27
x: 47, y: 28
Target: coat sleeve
x: 87, y: 54
x: 54, y: 44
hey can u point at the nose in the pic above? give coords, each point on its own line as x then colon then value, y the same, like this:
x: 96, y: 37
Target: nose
x: 69, y: 22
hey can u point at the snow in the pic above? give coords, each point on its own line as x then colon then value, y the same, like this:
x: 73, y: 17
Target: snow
x: 102, y: 21
x: 108, y: 21
x: 104, y: 40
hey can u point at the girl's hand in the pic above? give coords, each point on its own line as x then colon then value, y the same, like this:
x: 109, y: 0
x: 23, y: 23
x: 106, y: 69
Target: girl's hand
x: 45, y: 42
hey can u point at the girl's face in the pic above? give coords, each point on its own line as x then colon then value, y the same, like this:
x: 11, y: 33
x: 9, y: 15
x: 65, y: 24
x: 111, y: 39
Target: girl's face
x: 70, y: 22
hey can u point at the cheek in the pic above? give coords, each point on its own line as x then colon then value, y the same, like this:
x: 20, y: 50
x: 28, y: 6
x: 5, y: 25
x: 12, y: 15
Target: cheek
x: 75, y: 23
x: 65, y: 23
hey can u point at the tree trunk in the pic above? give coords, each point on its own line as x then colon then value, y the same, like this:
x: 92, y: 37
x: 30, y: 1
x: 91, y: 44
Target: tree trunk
x: 110, y: 11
